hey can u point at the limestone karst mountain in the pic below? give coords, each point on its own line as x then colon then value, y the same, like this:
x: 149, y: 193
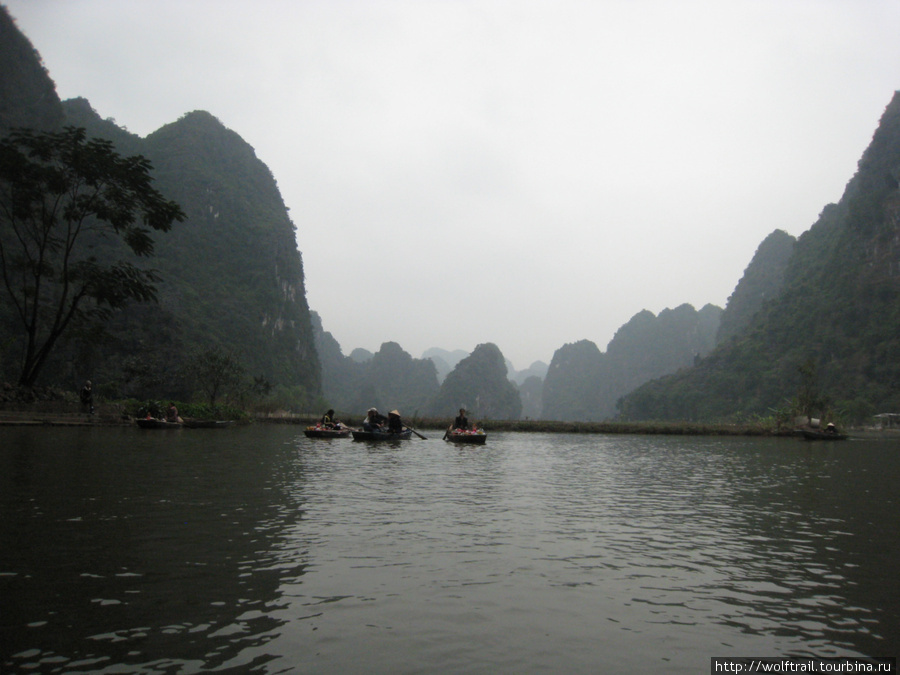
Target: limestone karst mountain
x: 231, y: 275
x: 837, y: 313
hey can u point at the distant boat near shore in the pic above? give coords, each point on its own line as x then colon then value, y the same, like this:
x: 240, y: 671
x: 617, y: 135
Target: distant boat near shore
x: 207, y: 424
x: 153, y: 423
x: 819, y: 435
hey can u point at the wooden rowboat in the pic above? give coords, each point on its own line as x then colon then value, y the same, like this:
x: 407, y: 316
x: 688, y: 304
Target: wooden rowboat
x: 207, y: 424
x: 470, y: 437
x: 404, y: 435
x: 816, y: 435
x: 152, y: 423
x: 318, y: 431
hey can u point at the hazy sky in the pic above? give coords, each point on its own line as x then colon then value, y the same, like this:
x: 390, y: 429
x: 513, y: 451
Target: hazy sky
x: 517, y: 172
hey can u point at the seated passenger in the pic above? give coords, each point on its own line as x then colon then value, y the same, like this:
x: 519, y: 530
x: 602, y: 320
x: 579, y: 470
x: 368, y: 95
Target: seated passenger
x: 374, y: 420
x: 328, y: 420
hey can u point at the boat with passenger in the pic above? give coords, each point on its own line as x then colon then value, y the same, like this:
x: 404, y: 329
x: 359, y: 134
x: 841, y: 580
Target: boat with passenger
x: 469, y: 436
x: 319, y: 431
x: 362, y: 435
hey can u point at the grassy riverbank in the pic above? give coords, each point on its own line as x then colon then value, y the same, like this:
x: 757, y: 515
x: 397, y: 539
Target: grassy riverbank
x: 63, y: 409
x: 115, y: 417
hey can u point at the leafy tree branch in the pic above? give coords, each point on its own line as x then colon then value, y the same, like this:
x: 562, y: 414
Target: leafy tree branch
x: 62, y: 196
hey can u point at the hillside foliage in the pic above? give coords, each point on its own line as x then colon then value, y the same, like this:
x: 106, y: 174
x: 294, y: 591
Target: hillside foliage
x: 480, y: 383
x: 71, y: 209
x: 762, y: 281
x: 585, y: 384
x: 391, y: 378
x: 837, y: 313
x: 229, y: 278
x: 28, y: 97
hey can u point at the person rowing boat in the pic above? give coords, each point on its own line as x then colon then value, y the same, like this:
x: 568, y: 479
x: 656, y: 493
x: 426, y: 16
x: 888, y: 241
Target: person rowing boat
x: 395, y: 424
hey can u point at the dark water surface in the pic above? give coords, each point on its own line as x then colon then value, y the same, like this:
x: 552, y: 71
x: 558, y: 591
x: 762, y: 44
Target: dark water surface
x: 258, y: 550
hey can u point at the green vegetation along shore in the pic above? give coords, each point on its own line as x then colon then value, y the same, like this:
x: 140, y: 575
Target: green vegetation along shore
x: 117, y: 415
x: 49, y: 406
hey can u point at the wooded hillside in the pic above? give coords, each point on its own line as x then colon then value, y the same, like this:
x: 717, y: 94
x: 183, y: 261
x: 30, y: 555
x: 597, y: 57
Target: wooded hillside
x: 231, y: 275
x: 838, y: 312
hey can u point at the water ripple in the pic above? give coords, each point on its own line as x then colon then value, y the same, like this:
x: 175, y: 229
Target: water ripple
x: 263, y: 551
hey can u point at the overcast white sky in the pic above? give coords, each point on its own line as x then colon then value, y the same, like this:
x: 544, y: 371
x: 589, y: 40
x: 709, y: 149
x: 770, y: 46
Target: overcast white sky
x: 528, y: 173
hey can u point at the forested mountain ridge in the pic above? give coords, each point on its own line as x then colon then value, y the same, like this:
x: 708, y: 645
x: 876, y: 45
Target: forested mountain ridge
x: 837, y: 314
x: 571, y: 387
x: 250, y: 276
x: 444, y: 360
x: 762, y: 281
x: 392, y: 378
x: 479, y: 382
x: 231, y: 275
x: 648, y: 345
x: 27, y: 94
x: 585, y: 384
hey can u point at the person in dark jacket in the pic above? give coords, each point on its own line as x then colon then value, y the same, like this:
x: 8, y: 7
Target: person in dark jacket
x: 461, y: 421
x: 87, y: 398
x: 395, y: 424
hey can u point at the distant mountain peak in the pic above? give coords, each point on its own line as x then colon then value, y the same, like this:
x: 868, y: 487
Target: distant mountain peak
x: 835, y: 310
x: 28, y: 95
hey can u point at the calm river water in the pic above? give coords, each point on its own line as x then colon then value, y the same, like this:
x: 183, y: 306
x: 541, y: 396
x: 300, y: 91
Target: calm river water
x: 258, y: 550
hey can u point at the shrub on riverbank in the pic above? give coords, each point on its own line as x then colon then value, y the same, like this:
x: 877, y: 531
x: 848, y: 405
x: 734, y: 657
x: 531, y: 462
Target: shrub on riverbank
x: 13, y: 396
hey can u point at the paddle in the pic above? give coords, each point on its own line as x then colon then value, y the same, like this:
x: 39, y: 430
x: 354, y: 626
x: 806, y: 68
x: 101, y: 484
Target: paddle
x: 424, y: 438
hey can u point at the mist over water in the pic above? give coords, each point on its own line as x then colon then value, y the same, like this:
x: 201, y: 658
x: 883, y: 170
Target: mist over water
x: 257, y: 549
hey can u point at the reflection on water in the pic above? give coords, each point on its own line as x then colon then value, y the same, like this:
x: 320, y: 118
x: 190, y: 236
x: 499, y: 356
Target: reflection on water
x: 122, y: 547
x: 258, y: 550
